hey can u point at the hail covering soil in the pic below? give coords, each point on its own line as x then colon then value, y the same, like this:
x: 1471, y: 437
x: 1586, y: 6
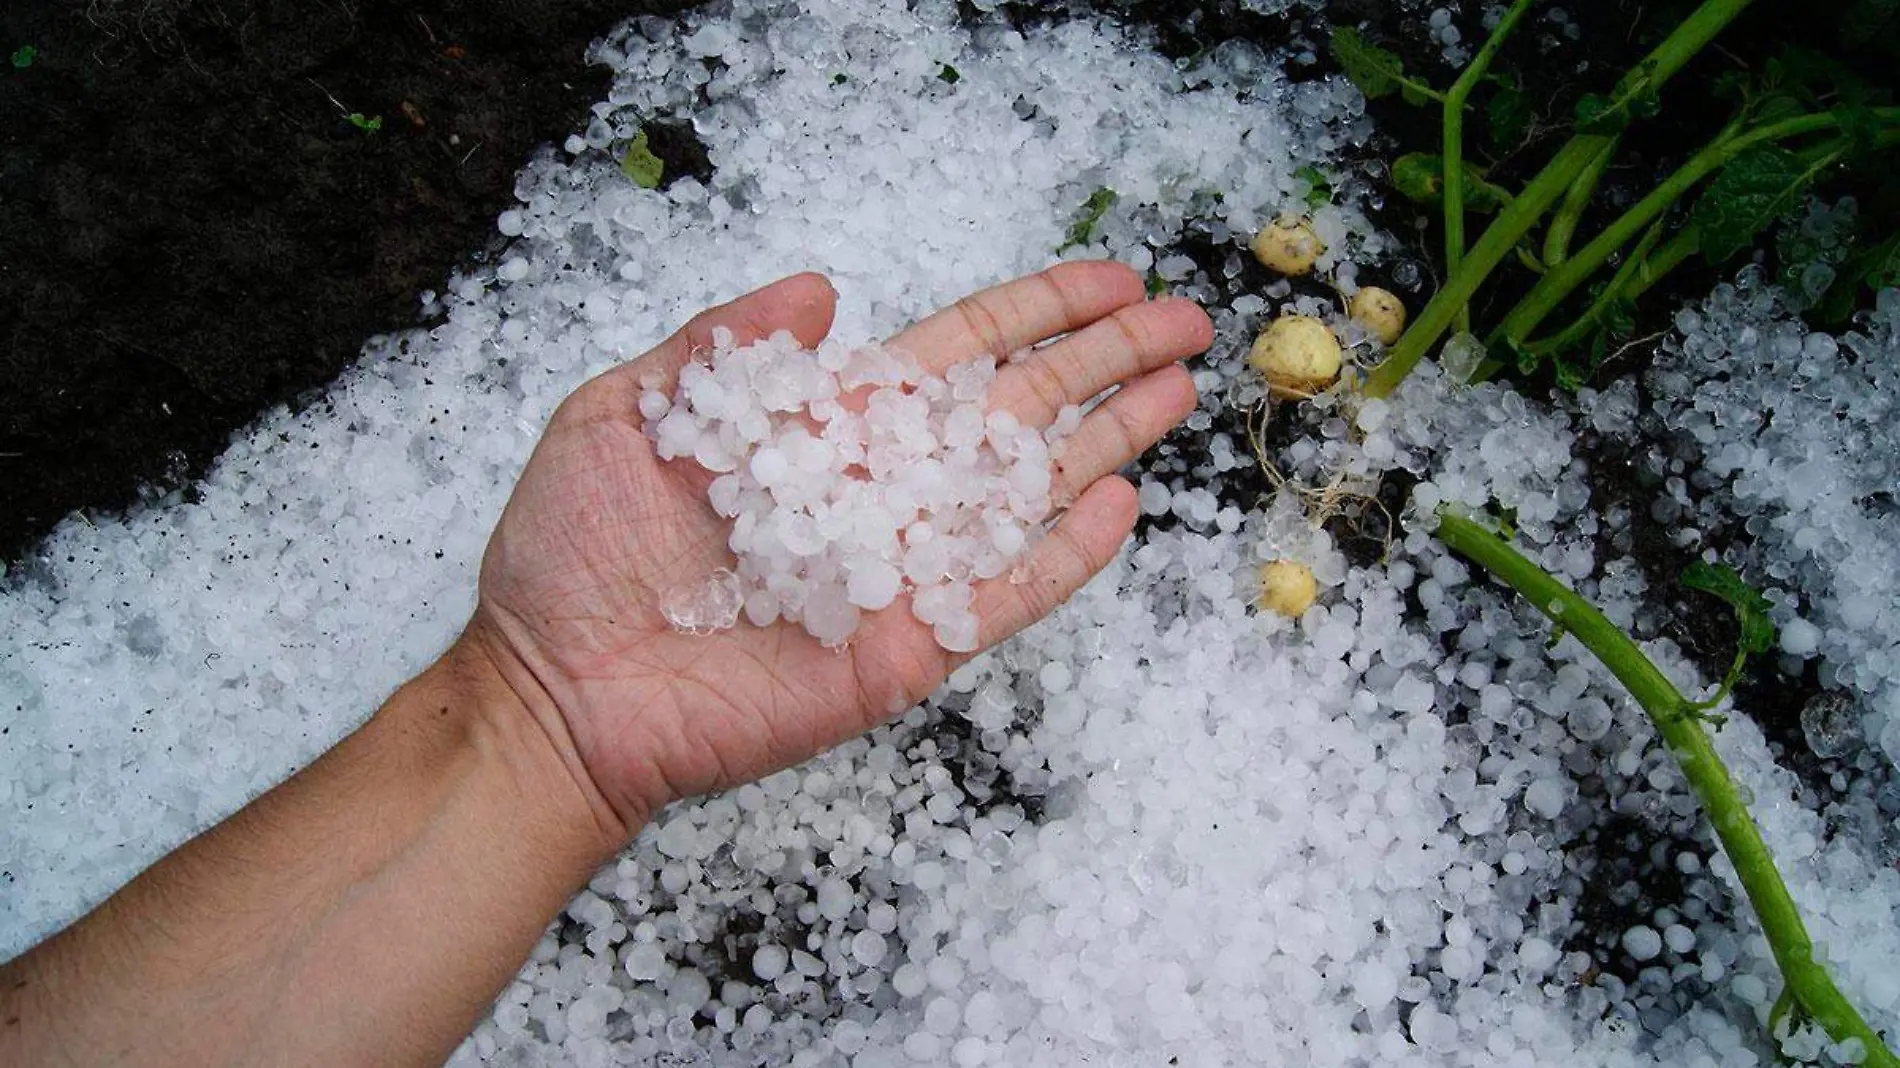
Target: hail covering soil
x: 1158, y: 828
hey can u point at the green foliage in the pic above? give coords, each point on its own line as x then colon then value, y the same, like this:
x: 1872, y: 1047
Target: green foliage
x: 948, y: 74
x: 23, y: 56
x: 1635, y: 97
x: 1869, y: 268
x: 1751, y: 616
x: 1751, y: 193
x: 1082, y: 227
x: 1420, y: 177
x: 1320, y: 191
x: 368, y: 125
x: 1877, y: 267
x: 1376, y: 71
x: 639, y: 163
x: 1506, y: 116
x: 1751, y: 608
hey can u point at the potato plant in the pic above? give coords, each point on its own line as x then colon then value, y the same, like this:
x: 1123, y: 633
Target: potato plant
x: 1789, y: 128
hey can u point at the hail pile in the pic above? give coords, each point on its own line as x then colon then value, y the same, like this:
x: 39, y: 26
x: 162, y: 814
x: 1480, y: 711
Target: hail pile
x: 851, y: 477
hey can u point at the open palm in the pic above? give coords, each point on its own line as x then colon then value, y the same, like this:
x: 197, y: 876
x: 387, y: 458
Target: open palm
x: 600, y: 532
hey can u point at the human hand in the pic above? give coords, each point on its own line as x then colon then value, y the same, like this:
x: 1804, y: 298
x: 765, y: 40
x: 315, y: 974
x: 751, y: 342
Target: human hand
x: 600, y: 531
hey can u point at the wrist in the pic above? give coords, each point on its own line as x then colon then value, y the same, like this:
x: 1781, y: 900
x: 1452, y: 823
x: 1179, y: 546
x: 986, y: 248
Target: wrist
x: 517, y: 735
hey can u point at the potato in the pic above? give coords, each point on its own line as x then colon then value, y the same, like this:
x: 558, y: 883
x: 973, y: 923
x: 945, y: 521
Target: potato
x: 1379, y: 311
x: 1298, y: 354
x: 1287, y: 587
x: 1288, y: 245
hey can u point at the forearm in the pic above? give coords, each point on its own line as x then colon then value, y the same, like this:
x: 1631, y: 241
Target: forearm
x: 364, y: 912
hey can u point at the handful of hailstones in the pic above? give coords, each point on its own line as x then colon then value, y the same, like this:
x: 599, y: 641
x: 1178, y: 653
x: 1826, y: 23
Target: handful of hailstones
x: 852, y: 477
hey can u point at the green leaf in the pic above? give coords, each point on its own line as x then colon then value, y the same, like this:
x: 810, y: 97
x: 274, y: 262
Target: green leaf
x: 367, y: 125
x: 1507, y: 115
x: 1751, y: 608
x: 1819, y: 80
x: 1082, y: 228
x: 1733, y: 86
x: 1156, y: 285
x: 1420, y: 177
x: 640, y: 165
x: 948, y: 75
x: 1879, y: 266
x: 1775, y: 106
x: 1570, y: 378
x: 1526, y: 360
x: 1594, y: 114
x: 1861, y: 127
x: 840, y: 78
x: 1321, y: 187
x: 1752, y: 191
x: 1634, y: 98
x: 23, y: 56
x: 1376, y: 71
x: 1874, y: 267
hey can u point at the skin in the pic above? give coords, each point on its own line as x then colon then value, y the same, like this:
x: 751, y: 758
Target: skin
x: 367, y: 910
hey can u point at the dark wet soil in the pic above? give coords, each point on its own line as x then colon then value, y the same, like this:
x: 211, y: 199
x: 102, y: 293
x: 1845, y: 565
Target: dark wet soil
x: 193, y: 229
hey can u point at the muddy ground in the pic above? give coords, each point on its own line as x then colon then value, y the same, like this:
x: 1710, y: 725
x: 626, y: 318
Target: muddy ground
x: 193, y: 229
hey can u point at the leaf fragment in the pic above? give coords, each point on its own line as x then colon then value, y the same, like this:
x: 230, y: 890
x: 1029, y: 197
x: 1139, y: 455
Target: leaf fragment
x: 1319, y: 187
x: 1420, y: 177
x: 640, y: 165
x: 1376, y: 71
x: 1506, y: 116
x: 1753, y: 191
x: 1751, y: 608
x: 1082, y: 228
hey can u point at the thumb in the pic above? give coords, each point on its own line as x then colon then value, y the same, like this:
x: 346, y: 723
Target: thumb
x: 802, y: 303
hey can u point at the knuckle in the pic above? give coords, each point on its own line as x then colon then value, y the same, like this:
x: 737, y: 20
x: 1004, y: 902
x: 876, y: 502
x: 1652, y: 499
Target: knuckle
x: 1044, y: 383
x: 1132, y: 329
x: 983, y: 325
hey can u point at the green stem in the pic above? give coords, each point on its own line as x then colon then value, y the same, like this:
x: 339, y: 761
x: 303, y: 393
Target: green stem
x: 1563, y: 225
x: 1418, y: 87
x: 1514, y: 221
x: 1681, y: 730
x: 1562, y: 280
x: 1689, y: 37
x: 1453, y: 125
x: 1638, y: 273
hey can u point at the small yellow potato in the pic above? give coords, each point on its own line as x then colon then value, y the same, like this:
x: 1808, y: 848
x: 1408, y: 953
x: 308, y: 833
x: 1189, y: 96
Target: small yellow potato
x: 1380, y: 311
x: 1298, y: 354
x: 1288, y: 245
x: 1286, y: 587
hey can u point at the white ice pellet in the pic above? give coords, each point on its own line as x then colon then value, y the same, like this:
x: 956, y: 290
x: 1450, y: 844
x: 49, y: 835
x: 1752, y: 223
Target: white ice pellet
x: 1545, y: 798
x: 921, y: 490
x: 1642, y: 942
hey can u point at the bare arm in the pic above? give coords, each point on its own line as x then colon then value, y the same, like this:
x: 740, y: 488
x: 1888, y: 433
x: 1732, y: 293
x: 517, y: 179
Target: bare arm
x: 364, y: 912
x: 367, y: 911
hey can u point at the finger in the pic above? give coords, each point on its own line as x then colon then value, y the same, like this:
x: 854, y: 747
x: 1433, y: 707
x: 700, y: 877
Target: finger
x: 1082, y: 543
x: 1121, y: 428
x: 1015, y: 315
x: 1127, y: 342
x: 803, y: 304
